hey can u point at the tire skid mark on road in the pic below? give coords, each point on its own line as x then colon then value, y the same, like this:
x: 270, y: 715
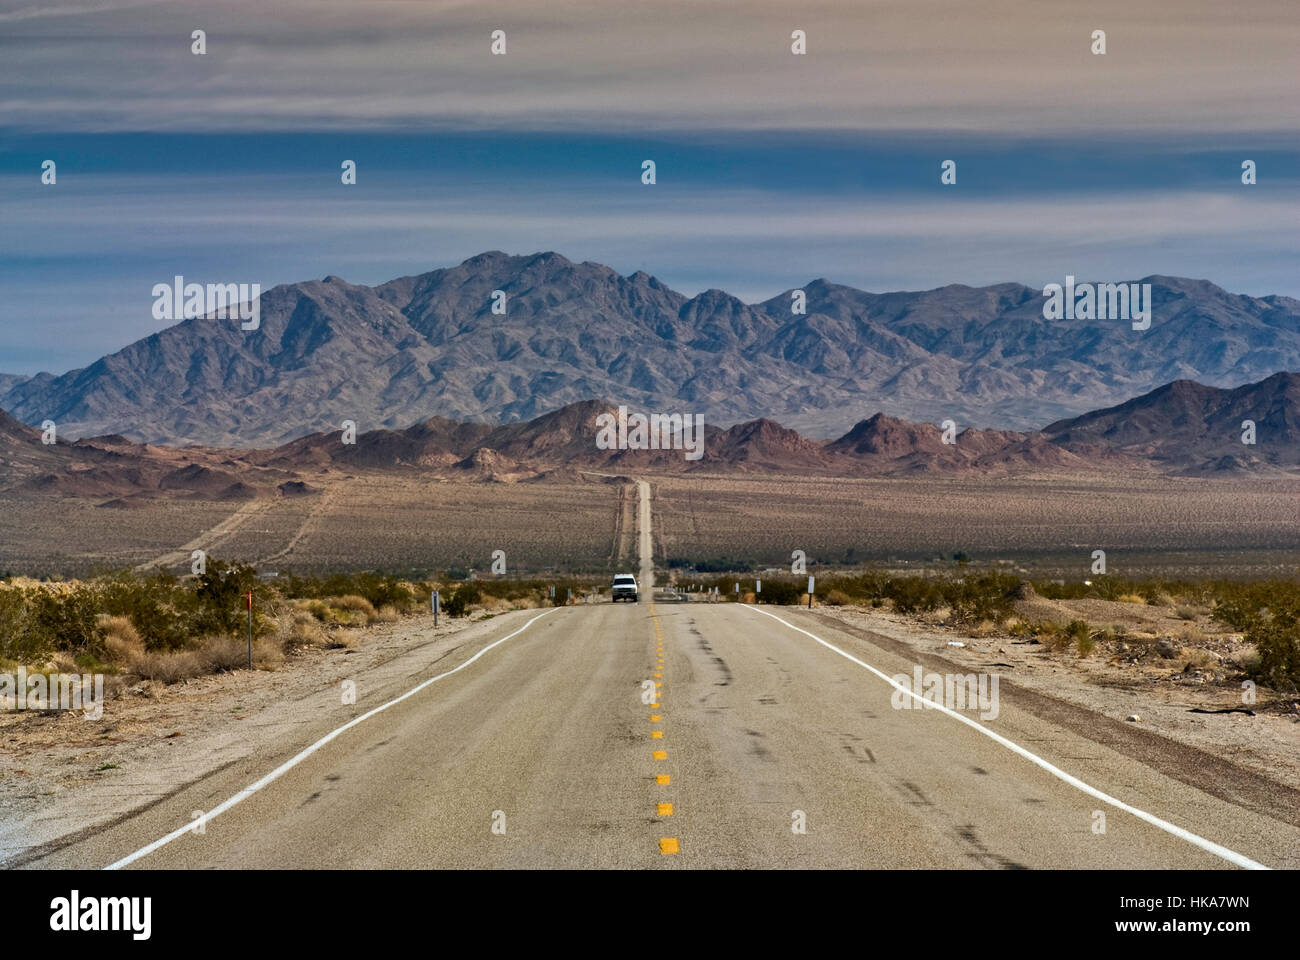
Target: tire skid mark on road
x: 1209, y: 846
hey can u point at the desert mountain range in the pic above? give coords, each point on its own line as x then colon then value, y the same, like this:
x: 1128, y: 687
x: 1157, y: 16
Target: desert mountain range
x: 1181, y: 428
x: 391, y: 355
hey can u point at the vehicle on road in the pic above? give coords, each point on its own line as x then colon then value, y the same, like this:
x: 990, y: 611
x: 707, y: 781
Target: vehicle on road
x: 624, y: 588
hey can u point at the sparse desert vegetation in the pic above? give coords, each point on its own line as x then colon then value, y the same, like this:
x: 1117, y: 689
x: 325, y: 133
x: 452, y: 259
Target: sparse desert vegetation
x: 1238, y: 629
x: 165, y: 628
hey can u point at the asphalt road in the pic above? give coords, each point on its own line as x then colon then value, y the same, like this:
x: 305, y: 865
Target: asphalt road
x: 772, y: 741
x: 645, y: 542
x: 545, y: 737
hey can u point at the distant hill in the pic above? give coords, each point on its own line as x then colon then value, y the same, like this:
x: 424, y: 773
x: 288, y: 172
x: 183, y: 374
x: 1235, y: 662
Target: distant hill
x: 1172, y: 428
x: 886, y: 445
x: 391, y: 355
x: 14, y: 432
x: 1179, y: 428
x: 113, y: 467
x: 1196, y: 428
x: 10, y: 380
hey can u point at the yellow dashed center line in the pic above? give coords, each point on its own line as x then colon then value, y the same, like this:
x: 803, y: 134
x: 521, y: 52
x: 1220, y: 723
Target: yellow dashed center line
x: 664, y: 808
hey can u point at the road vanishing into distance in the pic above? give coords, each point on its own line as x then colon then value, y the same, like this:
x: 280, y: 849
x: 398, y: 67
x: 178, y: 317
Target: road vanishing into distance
x: 771, y: 742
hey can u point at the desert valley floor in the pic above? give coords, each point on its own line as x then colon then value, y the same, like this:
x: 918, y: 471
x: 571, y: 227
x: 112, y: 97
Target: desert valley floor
x: 408, y: 522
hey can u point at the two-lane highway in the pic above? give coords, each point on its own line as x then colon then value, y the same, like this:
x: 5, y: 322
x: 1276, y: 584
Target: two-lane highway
x: 773, y: 751
x: 684, y: 735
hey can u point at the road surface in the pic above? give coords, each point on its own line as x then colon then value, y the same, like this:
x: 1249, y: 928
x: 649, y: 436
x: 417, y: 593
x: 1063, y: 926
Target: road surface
x: 645, y: 541
x: 770, y: 742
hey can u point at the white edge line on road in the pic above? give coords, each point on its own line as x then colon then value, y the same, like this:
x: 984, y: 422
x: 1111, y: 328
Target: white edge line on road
x: 289, y: 764
x: 1230, y: 855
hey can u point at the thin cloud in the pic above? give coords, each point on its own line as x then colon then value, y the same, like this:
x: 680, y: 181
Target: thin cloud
x: 1006, y: 65
x: 45, y: 11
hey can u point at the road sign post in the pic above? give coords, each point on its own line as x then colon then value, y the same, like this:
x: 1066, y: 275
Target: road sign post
x: 810, y: 592
x: 250, y: 629
x: 437, y: 603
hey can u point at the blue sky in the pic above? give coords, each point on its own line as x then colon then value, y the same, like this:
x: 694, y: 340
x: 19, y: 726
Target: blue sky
x: 772, y: 169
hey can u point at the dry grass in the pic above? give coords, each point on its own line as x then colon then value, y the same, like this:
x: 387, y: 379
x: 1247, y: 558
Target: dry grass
x: 306, y: 630
x: 350, y: 610
x: 168, y: 667
x: 212, y: 655
x: 356, y: 604
x: 121, y: 640
x: 207, y: 655
x: 343, y: 639
x: 223, y: 654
